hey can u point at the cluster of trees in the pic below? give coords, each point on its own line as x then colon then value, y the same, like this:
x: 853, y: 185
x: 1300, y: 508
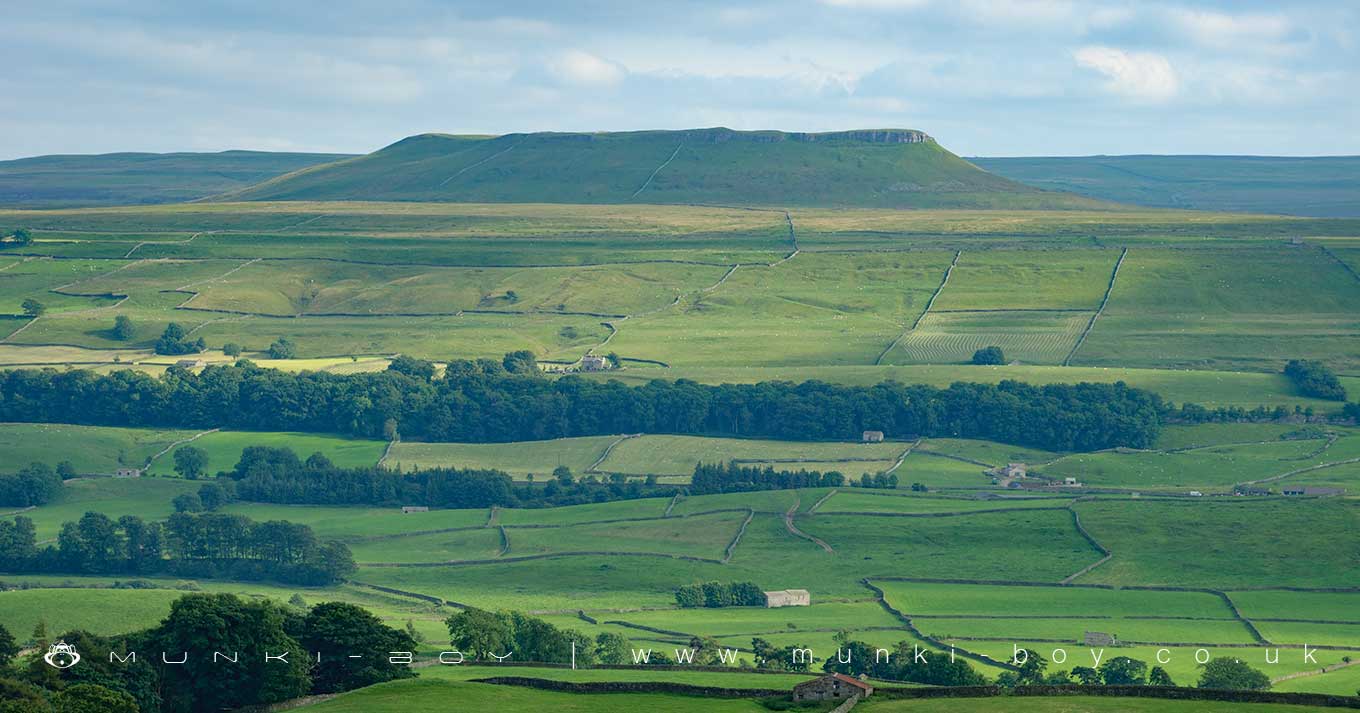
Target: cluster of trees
x: 715, y: 595
x: 1315, y: 379
x: 1219, y: 673
x: 482, y: 636
x: 902, y: 665
x: 206, y: 545
x: 320, y: 640
x: 510, y: 400
x: 174, y: 341
x: 712, y: 478
x: 989, y: 356
x: 20, y: 238
x: 36, y: 484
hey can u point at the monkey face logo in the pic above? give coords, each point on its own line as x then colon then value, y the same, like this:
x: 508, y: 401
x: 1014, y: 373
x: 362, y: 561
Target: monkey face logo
x: 61, y: 655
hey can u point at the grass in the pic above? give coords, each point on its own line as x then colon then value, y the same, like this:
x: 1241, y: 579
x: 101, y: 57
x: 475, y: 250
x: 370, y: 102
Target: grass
x: 98, y: 611
x: 677, y: 455
x: 521, y: 459
x: 434, y: 695
x: 978, y: 599
x: 1211, y: 466
x: 1076, y: 704
x: 1224, y: 544
x: 1026, y: 337
x: 147, y: 498
x: 1330, y: 606
x: 224, y: 449
x: 1028, y: 279
x: 91, y: 449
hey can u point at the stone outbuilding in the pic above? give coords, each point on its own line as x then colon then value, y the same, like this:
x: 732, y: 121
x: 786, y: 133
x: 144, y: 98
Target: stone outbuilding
x: 837, y: 686
x: 408, y: 509
x: 128, y: 473
x: 872, y: 437
x: 1099, y: 638
x: 788, y: 598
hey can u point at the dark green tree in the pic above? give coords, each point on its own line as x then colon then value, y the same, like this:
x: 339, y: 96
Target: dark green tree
x: 231, y: 349
x: 412, y: 367
x: 1233, y: 674
x: 478, y: 634
x: 989, y: 356
x: 614, y: 649
x: 1159, y: 677
x: 337, y: 630
x: 190, y: 461
x: 9, y: 648
x: 123, y: 328
x: 93, y: 698
x: 282, y: 348
x: 33, y: 308
x: 187, y: 502
x: 1123, y: 671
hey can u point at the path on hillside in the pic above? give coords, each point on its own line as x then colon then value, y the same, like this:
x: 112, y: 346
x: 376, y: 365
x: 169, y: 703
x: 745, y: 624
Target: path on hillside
x: 594, y: 467
x: 1114, y: 274
x: 917, y: 322
x: 657, y: 170
x: 793, y: 529
x: 498, y: 154
x: 177, y: 444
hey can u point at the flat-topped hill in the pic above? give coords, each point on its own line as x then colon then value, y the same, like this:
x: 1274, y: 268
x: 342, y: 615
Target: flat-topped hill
x: 890, y: 168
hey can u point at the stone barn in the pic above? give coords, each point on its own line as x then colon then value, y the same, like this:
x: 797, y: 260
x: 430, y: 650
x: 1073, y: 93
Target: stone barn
x: 837, y: 686
x: 408, y: 509
x: 788, y: 598
x: 1099, y: 638
x: 128, y: 473
x: 872, y: 437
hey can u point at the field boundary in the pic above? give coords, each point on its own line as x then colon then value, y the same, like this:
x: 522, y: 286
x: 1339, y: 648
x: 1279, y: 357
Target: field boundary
x: 1107, y: 555
x: 793, y: 529
x: 1109, y: 289
x: 944, y: 281
x: 594, y: 467
x: 181, y: 442
x: 732, y: 546
x: 657, y: 170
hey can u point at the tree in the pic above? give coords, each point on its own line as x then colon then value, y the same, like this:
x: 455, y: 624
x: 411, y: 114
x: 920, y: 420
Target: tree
x: 66, y: 470
x: 1315, y: 379
x: 412, y: 367
x: 37, y: 484
x: 336, y: 629
x: 93, y: 698
x: 33, y: 308
x: 190, y: 461
x: 478, y: 634
x: 989, y: 356
x: 9, y: 648
x: 1159, y: 677
x: 223, y: 622
x: 1086, y: 675
x: 520, y: 362
x: 282, y: 348
x: 213, y: 496
x: 187, y: 502
x: 613, y: 649
x: 123, y: 328
x: 1032, y: 667
x: 1232, y: 674
x: 231, y: 349
x: 1123, y: 671
x: 175, y: 341
x: 20, y: 238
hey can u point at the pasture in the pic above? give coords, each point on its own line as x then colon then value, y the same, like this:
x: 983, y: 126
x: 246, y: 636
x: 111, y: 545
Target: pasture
x: 677, y: 455
x: 538, y: 458
x: 224, y: 449
x: 91, y: 449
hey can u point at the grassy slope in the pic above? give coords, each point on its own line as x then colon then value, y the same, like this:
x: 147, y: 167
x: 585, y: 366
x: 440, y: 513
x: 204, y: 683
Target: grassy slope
x: 711, y: 166
x: 91, y: 449
x: 137, y: 178
x: 1323, y: 186
x: 224, y: 449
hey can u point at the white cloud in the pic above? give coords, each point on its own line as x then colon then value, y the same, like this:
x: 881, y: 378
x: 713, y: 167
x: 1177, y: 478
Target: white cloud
x: 1216, y: 29
x: 577, y: 67
x: 1144, y: 76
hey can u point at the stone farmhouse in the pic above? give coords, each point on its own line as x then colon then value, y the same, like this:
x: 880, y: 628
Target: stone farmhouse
x: 788, y: 598
x: 837, y: 686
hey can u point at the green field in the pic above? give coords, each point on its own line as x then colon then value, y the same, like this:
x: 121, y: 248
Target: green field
x: 677, y: 455
x: 224, y: 449
x: 147, y: 498
x: 521, y: 459
x: 91, y: 449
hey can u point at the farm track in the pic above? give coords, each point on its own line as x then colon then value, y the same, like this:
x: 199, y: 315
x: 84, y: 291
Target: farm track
x: 594, y: 467
x: 1109, y: 289
x: 793, y: 529
x: 944, y: 281
x: 505, y: 542
x: 671, y: 505
x: 902, y: 458
x: 177, y: 444
x: 822, y: 501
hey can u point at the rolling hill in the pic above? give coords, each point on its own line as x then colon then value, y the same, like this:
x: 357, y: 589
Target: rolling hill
x: 139, y: 178
x: 1322, y: 187
x: 890, y: 168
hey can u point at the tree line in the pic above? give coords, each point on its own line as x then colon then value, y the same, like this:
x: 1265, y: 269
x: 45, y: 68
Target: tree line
x: 320, y: 641
x: 716, y: 595
x: 512, y: 400
x: 188, y: 545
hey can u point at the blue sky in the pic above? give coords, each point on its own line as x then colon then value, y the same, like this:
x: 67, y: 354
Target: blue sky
x: 985, y: 77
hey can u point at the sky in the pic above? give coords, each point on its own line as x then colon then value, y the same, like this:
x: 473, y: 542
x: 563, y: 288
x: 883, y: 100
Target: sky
x: 984, y: 77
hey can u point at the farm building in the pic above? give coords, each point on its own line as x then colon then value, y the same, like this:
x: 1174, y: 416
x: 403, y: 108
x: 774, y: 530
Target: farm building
x: 1071, y: 482
x: 594, y: 362
x: 190, y: 363
x: 1014, y: 470
x: 872, y: 437
x: 128, y: 473
x: 407, y: 509
x: 788, y: 598
x: 1099, y: 638
x: 1298, y: 490
x: 833, y: 687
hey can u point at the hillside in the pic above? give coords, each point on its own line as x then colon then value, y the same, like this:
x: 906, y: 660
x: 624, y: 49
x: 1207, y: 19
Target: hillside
x: 139, y: 178
x: 890, y: 168
x: 1323, y: 187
